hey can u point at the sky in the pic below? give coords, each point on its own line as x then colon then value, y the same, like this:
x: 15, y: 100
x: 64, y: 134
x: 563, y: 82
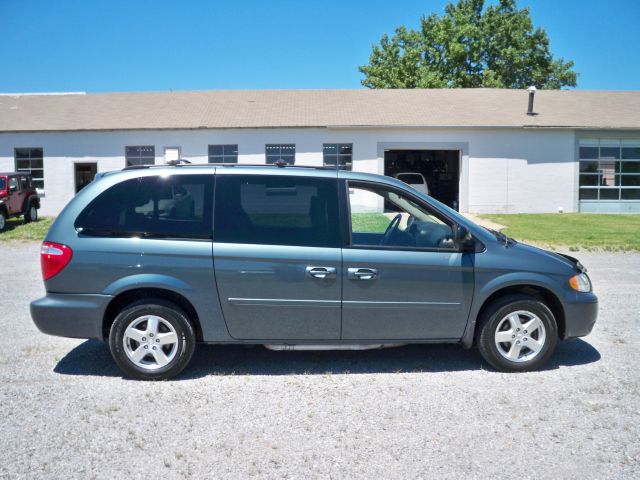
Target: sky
x: 138, y: 45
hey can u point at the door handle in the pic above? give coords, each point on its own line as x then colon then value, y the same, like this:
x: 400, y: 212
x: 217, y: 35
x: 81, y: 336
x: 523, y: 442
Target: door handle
x: 362, y: 273
x: 321, y: 272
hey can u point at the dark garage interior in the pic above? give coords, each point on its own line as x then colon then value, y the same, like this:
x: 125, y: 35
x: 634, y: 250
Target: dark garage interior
x: 441, y: 169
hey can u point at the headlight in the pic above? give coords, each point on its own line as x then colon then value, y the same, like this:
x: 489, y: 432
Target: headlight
x: 580, y: 283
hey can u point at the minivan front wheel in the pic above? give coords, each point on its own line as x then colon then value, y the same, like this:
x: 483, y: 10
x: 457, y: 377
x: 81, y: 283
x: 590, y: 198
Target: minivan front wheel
x: 517, y: 333
x: 152, y: 340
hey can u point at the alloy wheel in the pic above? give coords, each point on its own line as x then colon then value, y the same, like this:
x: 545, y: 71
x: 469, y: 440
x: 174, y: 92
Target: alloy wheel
x: 520, y: 336
x: 150, y: 342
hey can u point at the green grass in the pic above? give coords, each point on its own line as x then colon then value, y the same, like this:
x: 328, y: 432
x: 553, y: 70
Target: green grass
x: 574, y: 231
x: 18, y: 230
x: 369, y: 222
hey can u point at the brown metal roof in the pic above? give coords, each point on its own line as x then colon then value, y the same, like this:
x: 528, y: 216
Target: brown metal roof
x: 320, y: 108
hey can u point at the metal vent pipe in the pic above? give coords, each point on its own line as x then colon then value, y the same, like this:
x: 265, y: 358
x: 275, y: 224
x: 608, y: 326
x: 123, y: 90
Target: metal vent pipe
x: 532, y: 93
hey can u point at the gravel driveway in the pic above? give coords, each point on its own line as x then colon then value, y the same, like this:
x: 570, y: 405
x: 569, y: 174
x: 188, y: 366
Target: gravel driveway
x: 412, y: 412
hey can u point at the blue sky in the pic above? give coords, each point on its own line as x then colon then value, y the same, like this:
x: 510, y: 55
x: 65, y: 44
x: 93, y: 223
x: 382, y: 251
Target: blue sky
x: 133, y: 45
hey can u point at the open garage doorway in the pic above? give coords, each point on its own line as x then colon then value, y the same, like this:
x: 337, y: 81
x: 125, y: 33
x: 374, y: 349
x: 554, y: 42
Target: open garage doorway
x: 440, y: 169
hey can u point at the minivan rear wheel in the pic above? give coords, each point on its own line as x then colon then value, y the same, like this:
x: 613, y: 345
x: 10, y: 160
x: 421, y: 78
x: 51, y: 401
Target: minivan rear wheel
x: 152, y: 339
x: 517, y: 333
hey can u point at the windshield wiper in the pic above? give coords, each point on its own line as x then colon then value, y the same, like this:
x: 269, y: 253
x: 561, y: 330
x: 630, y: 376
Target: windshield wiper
x: 502, y: 237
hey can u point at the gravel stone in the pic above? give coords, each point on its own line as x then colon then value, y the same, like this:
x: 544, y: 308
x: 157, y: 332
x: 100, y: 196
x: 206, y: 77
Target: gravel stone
x: 433, y: 411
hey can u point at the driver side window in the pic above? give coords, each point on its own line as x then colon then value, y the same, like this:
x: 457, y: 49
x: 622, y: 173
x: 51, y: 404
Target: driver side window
x: 382, y: 217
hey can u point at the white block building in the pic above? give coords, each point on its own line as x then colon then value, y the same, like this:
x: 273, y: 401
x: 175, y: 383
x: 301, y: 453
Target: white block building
x: 479, y: 149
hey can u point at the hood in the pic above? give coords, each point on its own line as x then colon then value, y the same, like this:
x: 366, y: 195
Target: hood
x: 545, y: 258
x: 581, y: 268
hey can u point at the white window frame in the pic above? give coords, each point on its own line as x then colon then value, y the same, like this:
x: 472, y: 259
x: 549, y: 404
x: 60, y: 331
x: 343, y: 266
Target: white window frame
x: 339, y: 156
x: 30, y: 170
x: 231, y: 158
x: 280, y: 154
x: 137, y: 158
x: 604, y: 163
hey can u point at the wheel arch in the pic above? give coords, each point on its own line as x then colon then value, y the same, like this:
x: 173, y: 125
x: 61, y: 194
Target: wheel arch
x: 538, y: 292
x: 127, y: 297
x: 31, y: 199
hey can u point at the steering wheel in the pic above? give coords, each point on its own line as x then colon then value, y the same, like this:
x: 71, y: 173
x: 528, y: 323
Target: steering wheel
x: 393, y: 226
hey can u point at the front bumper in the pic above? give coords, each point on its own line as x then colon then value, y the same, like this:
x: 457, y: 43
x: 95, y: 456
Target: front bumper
x: 580, y: 312
x: 70, y: 315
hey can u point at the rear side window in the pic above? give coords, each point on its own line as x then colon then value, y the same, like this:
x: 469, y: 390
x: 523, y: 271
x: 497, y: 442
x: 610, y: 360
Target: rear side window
x: 177, y: 206
x: 276, y: 210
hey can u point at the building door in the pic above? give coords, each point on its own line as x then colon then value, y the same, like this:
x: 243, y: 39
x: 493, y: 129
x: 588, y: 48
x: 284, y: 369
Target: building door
x: 609, y: 175
x: 84, y: 174
x: 439, y: 168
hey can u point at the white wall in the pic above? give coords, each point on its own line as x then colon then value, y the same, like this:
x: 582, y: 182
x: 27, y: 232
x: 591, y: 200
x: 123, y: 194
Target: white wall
x: 503, y: 170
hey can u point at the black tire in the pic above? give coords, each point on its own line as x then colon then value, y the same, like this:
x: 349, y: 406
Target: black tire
x: 31, y: 213
x: 3, y: 220
x: 167, y: 312
x: 496, y: 315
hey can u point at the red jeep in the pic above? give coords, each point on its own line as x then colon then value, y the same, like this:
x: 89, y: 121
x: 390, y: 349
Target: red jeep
x: 18, y: 197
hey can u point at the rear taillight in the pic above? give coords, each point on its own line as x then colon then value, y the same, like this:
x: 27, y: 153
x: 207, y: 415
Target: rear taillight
x: 53, y: 258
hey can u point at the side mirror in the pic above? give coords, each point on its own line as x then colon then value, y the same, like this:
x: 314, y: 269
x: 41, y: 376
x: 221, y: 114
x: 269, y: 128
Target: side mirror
x: 12, y: 189
x: 461, y: 236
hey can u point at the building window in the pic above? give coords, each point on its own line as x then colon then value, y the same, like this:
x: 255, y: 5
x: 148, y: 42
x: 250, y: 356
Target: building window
x: 609, y: 170
x: 223, y: 153
x: 339, y: 155
x: 281, y: 152
x: 144, y: 155
x: 30, y: 160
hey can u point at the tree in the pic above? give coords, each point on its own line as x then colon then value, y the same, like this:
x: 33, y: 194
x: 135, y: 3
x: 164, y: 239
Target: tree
x: 467, y: 47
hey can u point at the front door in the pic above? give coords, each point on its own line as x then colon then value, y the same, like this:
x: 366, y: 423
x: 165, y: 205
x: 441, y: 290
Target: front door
x: 84, y: 174
x: 277, y: 256
x: 402, y: 276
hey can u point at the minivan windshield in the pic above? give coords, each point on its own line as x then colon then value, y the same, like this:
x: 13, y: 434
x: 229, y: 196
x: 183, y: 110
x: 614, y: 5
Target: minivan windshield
x: 3, y: 183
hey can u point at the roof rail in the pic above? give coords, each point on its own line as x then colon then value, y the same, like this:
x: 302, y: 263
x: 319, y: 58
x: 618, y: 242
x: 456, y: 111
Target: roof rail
x: 271, y: 165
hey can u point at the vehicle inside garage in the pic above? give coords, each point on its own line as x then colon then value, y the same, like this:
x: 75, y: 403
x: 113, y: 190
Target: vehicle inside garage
x: 440, y: 169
